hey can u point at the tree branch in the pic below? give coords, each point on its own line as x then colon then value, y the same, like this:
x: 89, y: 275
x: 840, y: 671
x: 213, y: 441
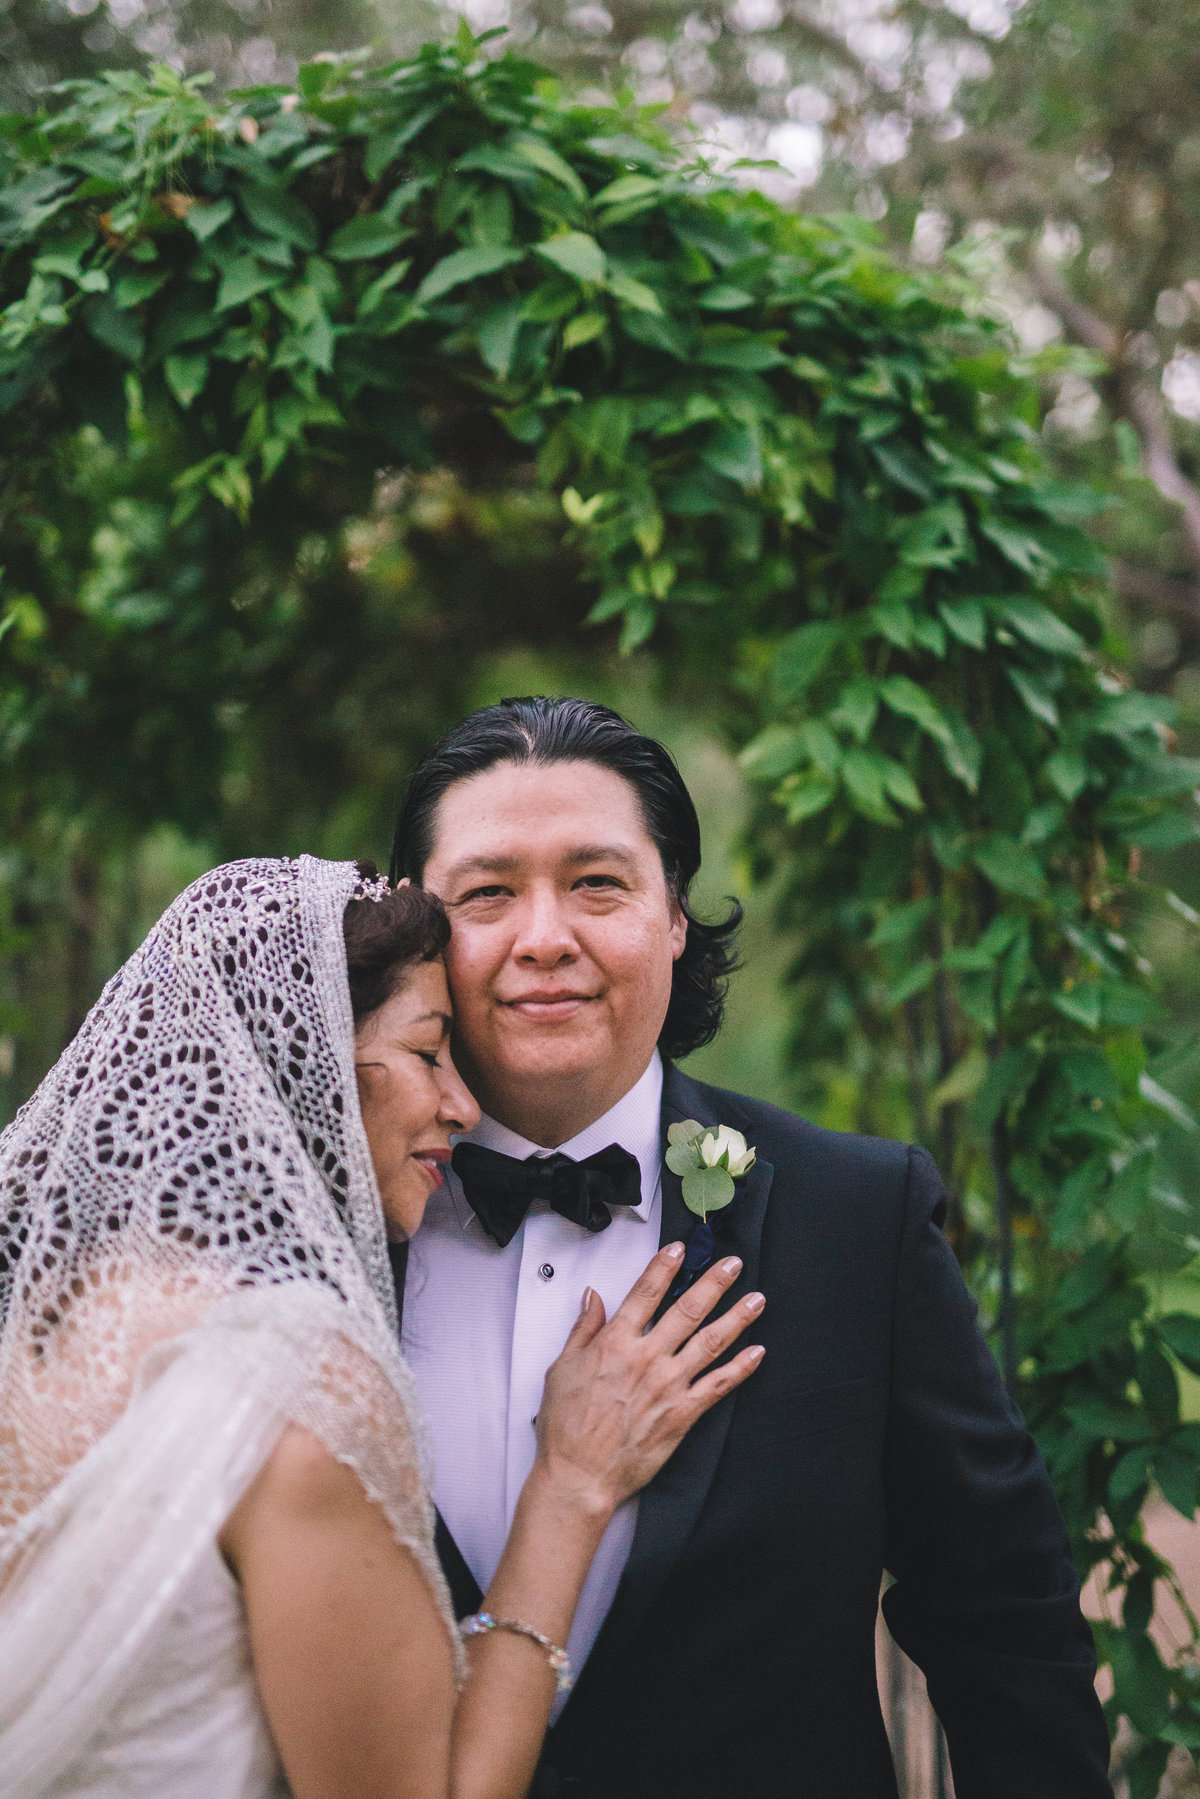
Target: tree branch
x: 1133, y: 396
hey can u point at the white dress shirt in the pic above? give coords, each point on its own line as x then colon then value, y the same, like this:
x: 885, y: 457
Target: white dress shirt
x: 482, y: 1325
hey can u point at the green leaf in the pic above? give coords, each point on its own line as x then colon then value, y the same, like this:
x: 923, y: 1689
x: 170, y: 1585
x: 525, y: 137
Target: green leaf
x: 1120, y: 713
x: 498, y: 333
x: 1010, y: 867
x: 801, y: 657
x: 627, y: 187
x: 774, y: 752
x: 1131, y: 1473
x: 1033, y: 694
x: 723, y: 298
x: 576, y: 254
x: 905, y: 697
x: 686, y: 1130
x: 1170, y: 830
x: 185, y: 376
x: 900, y: 924
x: 1009, y: 1079
x: 1166, y: 1102
x: 963, y: 1081
x: 206, y: 218
x: 1103, y: 1419
x: 1021, y: 548
x: 707, y: 1190
x: 1083, y: 1003
x: 583, y: 328
x: 470, y: 264
x: 901, y: 787
x: 632, y: 293
x: 384, y: 146
x: 242, y: 280
x: 539, y: 155
x: 808, y: 797
x: 119, y: 331
x: 1177, y: 1475
x: 369, y: 235
x: 735, y: 452
x: 966, y: 620
x: 1180, y: 1331
x: 857, y: 707
x: 746, y: 354
x: 865, y: 774
x: 1041, y: 627
x: 1068, y: 773
x: 279, y: 214
x: 915, y: 981
x: 680, y: 1158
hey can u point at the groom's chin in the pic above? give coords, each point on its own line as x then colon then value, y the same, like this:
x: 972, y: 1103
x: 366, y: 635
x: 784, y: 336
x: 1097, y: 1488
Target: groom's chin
x: 547, y: 1052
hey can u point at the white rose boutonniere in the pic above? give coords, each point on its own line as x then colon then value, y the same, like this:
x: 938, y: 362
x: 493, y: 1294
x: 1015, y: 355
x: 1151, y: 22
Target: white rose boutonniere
x: 709, y: 1158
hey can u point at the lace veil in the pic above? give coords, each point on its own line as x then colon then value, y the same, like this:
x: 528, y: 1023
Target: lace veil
x: 188, y: 1208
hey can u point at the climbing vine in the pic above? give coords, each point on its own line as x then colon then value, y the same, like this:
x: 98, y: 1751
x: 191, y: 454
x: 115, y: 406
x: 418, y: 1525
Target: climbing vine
x: 809, y: 482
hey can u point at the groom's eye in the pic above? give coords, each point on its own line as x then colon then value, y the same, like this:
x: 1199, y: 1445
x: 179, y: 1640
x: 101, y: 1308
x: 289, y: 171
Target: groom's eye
x: 598, y: 881
x: 476, y: 893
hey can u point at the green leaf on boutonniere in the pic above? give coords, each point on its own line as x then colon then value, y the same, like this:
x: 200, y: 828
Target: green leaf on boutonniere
x: 707, y: 1190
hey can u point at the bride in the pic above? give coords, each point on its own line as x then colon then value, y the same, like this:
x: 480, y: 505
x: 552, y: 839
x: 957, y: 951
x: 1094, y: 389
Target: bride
x: 217, y: 1575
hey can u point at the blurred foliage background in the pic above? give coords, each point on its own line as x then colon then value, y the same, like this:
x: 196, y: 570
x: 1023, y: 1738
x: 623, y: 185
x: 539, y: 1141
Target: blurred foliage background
x: 1050, y: 151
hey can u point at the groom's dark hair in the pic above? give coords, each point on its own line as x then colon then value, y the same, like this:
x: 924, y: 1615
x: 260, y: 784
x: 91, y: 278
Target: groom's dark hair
x: 543, y: 730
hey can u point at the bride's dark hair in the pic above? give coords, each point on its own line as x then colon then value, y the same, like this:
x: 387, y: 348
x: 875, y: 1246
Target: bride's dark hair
x: 542, y: 730
x: 385, y: 936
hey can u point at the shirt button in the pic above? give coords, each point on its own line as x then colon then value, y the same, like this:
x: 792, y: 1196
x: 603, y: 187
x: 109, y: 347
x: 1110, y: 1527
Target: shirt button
x: 546, y: 1272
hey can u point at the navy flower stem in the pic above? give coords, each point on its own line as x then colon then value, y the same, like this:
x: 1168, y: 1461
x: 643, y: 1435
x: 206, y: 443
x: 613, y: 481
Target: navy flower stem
x: 698, y: 1253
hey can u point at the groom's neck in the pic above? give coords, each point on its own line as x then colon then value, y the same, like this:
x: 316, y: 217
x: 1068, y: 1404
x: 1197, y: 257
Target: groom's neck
x: 549, y: 1110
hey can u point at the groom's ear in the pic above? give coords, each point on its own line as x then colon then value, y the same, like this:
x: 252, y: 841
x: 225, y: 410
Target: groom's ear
x: 679, y: 927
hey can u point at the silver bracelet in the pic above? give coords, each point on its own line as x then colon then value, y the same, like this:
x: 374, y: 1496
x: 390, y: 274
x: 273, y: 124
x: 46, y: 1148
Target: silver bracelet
x: 479, y: 1623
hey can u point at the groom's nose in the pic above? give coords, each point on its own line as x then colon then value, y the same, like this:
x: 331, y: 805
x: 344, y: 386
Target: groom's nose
x: 544, y: 932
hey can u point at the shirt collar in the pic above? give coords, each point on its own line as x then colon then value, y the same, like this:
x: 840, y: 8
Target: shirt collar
x: 635, y: 1122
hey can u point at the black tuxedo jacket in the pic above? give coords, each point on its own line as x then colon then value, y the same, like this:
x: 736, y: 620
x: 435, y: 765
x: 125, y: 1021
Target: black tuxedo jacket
x: 737, y: 1661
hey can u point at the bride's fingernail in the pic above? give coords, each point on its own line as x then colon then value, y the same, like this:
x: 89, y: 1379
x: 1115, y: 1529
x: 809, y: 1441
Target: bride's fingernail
x: 731, y: 1264
x: 755, y: 1302
x: 673, y: 1251
x: 585, y: 1304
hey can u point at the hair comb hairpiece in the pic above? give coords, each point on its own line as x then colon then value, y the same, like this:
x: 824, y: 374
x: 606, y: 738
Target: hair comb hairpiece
x: 374, y: 889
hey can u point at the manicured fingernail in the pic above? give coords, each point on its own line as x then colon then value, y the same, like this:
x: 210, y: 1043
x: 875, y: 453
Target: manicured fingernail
x: 674, y: 1251
x: 757, y: 1353
x: 731, y: 1264
x: 754, y: 1302
x: 586, y: 1302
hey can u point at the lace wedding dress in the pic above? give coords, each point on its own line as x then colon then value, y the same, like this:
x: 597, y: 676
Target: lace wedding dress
x: 192, y: 1256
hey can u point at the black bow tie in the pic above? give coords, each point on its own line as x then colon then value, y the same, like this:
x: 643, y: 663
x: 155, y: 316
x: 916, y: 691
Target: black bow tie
x: 500, y: 1189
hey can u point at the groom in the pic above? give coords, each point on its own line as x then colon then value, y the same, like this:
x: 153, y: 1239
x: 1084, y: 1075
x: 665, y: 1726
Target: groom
x: 724, y: 1642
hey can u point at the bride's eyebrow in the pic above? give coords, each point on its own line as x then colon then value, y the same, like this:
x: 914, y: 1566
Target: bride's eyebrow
x: 442, y: 1018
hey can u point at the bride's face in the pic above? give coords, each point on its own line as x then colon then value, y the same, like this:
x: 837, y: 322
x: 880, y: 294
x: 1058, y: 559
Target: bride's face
x: 411, y: 1094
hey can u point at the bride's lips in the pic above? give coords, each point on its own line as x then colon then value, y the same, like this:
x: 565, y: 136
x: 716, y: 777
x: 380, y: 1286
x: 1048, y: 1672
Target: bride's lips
x: 550, y: 1005
x: 432, y: 1161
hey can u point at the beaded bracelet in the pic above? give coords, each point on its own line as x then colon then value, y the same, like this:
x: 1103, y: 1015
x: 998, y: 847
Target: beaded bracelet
x: 479, y: 1623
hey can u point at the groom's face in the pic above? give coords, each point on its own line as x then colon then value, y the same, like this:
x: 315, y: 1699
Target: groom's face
x: 563, y: 943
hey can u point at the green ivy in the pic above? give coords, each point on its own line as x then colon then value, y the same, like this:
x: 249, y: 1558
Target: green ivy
x: 811, y: 478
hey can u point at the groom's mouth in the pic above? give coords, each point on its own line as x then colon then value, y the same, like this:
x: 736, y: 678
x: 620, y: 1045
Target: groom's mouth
x: 548, y: 1007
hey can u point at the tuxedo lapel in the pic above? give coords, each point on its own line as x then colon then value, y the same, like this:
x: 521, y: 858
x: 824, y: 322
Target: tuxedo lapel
x: 671, y: 1504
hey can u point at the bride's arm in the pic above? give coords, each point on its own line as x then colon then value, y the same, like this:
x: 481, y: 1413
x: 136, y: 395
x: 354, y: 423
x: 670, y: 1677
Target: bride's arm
x: 350, y: 1651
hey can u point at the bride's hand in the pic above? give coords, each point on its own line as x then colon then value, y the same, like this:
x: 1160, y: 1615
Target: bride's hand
x: 620, y: 1398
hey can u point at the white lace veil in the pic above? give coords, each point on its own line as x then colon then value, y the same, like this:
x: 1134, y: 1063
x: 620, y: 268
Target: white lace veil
x: 191, y: 1183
